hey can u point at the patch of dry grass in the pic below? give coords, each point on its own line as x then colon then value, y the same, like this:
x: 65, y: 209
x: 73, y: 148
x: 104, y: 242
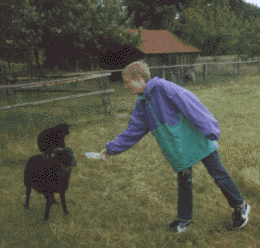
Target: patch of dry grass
x: 130, y: 200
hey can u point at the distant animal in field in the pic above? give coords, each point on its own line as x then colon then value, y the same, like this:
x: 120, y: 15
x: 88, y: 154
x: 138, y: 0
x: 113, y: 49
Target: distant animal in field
x: 52, y: 138
x: 48, y: 176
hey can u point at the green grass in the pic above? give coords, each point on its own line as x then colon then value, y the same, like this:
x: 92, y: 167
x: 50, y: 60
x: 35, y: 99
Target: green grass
x: 130, y: 200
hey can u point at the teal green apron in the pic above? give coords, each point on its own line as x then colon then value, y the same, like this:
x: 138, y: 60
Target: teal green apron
x: 183, y: 145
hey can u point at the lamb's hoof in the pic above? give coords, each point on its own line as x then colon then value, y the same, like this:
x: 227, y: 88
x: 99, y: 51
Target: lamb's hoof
x: 26, y: 206
x: 52, y: 201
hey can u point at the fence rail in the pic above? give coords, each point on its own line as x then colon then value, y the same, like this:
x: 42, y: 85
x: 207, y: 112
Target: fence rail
x: 120, y: 70
x: 59, y: 99
x: 106, y: 95
x: 68, y: 80
x: 176, y: 66
x: 205, y: 66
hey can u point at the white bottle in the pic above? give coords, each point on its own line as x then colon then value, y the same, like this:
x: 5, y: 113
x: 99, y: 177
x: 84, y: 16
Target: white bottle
x: 94, y: 155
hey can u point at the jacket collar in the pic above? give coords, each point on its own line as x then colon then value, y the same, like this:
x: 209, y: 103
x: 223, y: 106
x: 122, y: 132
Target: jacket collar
x: 144, y: 95
x: 141, y: 96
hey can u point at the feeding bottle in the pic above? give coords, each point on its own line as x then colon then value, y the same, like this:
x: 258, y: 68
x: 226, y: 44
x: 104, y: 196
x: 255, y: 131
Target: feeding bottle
x: 94, y: 155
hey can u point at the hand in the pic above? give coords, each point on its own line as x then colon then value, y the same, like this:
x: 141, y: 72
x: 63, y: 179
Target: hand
x: 104, y: 152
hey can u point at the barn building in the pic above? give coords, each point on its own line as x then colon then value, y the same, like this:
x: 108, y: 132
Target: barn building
x: 159, y: 47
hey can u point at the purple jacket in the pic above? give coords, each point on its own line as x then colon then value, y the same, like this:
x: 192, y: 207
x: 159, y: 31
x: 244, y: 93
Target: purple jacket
x: 184, y: 129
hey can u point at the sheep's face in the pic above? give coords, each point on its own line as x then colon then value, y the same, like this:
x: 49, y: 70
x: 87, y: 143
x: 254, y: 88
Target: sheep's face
x: 63, y: 128
x: 65, y: 157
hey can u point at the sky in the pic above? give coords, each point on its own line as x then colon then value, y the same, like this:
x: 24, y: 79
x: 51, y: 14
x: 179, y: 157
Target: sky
x: 255, y: 2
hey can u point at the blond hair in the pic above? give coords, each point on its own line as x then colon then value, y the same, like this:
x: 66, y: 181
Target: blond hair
x: 137, y: 67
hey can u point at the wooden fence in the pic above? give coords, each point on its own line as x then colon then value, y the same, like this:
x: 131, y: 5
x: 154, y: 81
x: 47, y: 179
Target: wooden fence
x: 205, y: 70
x: 99, y: 85
x: 107, y: 101
x: 106, y: 94
x: 205, y: 66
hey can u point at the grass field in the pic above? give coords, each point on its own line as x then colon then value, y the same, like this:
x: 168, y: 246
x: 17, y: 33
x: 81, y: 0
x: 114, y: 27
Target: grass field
x: 130, y: 200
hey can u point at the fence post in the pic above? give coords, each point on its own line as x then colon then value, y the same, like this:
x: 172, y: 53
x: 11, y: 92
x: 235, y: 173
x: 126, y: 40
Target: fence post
x: 107, y: 100
x: 173, y: 78
x: 205, y: 75
x: 163, y: 74
x: 44, y: 86
x: 10, y: 92
x: 234, y: 69
x: 1, y: 66
x: 3, y: 73
x: 77, y: 65
x: 238, y: 66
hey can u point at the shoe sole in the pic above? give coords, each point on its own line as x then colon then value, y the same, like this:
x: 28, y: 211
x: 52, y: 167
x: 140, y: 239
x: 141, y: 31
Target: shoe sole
x: 181, y: 230
x: 247, y: 218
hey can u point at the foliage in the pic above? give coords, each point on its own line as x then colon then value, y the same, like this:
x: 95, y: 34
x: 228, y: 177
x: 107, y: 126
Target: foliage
x: 67, y: 29
x: 153, y: 14
x: 216, y: 30
x: 215, y: 26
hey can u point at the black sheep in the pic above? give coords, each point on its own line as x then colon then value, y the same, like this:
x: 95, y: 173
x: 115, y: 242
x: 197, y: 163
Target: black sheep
x: 52, y: 138
x: 48, y: 176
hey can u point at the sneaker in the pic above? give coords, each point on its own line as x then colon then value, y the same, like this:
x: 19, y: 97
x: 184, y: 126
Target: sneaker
x: 240, y: 216
x: 179, y: 226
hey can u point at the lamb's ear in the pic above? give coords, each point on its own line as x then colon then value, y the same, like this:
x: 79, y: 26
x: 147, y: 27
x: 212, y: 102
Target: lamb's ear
x: 63, y: 125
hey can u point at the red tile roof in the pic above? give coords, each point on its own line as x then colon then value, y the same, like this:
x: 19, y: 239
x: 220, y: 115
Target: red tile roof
x: 162, y: 41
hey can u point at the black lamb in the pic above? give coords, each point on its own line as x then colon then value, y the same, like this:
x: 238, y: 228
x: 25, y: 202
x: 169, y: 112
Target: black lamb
x: 52, y: 138
x: 48, y: 176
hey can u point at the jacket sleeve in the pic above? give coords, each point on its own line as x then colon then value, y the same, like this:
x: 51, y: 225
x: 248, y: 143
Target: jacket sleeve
x: 190, y: 106
x: 135, y: 130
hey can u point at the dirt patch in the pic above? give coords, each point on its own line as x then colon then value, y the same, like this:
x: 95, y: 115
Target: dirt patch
x: 122, y: 115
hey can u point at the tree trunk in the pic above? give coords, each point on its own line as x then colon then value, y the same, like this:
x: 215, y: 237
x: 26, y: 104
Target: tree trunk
x: 36, y: 56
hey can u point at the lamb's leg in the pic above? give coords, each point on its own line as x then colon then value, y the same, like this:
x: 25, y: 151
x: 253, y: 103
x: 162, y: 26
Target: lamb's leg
x: 62, y: 198
x: 28, y: 192
x: 48, y: 206
x: 52, y: 199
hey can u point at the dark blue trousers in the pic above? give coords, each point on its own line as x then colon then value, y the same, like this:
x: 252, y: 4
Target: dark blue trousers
x: 222, y: 179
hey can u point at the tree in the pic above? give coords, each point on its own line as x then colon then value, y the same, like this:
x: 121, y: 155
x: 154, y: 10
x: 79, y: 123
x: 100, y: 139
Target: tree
x: 248, y: 42
x: 213, y: 28
x: 154, y: 14
x: 68, y: 28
